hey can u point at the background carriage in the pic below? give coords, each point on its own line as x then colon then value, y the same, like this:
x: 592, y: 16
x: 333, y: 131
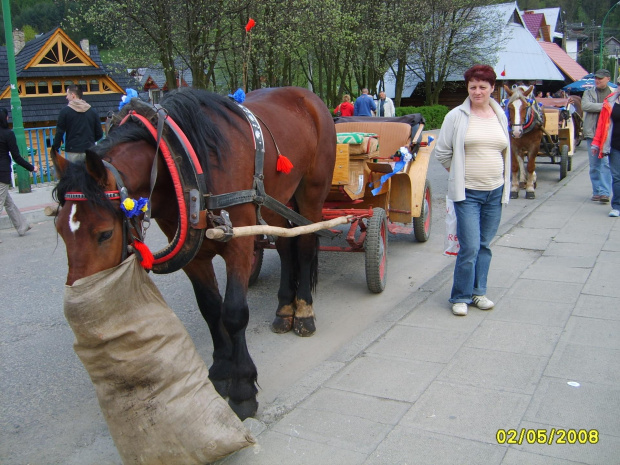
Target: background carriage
x: 401, y: 204
x: 562, y: 131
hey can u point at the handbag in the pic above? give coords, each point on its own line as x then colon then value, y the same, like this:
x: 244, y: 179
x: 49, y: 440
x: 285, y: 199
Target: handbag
x: 451, y: 240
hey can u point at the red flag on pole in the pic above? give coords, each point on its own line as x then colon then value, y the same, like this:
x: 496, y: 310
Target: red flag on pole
x: 503, y: 73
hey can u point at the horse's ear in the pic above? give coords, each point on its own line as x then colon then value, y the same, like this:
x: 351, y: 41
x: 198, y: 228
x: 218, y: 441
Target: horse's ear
x: 508, y: 90
x: 95, y: 167
x: 60, y: 163
x: 528, y: 91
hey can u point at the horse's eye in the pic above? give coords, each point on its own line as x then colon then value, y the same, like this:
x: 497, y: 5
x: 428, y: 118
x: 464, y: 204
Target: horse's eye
x: 104, y: 236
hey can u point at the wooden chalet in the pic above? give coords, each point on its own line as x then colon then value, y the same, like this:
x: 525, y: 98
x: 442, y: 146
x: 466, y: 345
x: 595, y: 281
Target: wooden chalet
x: 520, y: 59
x: 151, y: 82
x: 46, y: 66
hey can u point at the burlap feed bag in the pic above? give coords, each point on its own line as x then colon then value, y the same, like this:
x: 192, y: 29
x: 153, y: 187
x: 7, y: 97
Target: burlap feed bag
x: 153, y: 387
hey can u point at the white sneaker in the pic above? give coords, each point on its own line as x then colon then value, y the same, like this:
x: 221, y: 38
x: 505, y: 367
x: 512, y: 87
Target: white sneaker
x: 482, y: 302
x: 459, y: 308
x: 614, y: 213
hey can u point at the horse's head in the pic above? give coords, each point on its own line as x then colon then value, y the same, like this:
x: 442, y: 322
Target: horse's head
x: 517, y: 107
x: 89, y: 219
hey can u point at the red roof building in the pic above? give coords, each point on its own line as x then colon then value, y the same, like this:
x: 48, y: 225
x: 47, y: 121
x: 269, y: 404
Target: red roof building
x: 569, y: 67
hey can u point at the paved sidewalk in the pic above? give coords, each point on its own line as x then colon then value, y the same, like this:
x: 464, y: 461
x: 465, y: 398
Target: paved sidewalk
x: 427, y: 387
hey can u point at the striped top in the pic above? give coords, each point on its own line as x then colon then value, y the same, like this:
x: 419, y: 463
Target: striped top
x: 484, y: 162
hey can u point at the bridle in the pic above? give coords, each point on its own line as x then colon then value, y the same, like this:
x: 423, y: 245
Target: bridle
x: 132, y: 227
x: 189, y: 187
x: 533, y: 116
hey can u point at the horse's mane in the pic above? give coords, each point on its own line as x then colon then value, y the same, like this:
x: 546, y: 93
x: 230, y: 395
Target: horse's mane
x: 77, y: 179
x: 195, y: 111
x: 517, y: 93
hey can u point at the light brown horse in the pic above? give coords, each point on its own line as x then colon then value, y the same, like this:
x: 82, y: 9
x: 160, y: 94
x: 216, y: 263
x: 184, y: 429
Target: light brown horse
x: 525, y: 122
x: 90, y: 220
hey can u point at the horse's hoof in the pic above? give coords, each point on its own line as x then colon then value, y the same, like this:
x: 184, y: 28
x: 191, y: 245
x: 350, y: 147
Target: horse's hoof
x: 530, y: 195
x: 221, y: 386
x: 514, y: 195
x: 305, y: 327
x: 244, y: 409
x: 282, y: 325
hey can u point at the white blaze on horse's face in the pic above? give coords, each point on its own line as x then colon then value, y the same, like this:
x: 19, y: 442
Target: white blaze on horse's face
x: 517, y: 124
x: 74, y: 225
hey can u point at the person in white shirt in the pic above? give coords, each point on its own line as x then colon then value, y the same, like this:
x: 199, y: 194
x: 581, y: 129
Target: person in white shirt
x: 474, y: 146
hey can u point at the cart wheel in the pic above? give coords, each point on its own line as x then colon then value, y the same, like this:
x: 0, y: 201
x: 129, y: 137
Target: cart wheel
x: 375, y: 246
x: 257, y: 264
x: 563, y: 161
x: 422, y: 224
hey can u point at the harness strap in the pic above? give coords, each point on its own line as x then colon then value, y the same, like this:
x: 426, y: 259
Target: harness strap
x: 258, y: 195
x: 177, y: 184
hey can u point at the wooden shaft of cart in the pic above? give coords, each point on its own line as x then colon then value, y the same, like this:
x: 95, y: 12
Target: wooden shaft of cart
x: 266, y: 230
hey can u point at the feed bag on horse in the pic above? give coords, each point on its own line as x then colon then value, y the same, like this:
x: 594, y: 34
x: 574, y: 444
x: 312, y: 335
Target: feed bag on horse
x: 152, y: 386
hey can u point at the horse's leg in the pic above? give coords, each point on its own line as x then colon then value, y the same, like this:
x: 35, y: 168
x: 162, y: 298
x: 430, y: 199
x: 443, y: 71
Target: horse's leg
x: 514, y: 187
x: 531, y: 177
x: 283, y: 322
x: 307, y: 269
x: 235, y: 316
x: 521, y: 160
x: 202, y: 276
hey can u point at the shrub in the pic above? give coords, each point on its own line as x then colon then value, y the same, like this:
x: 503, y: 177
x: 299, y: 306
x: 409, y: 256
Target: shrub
x: 433, y: 115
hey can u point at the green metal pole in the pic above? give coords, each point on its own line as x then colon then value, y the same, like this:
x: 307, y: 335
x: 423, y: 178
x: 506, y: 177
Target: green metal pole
x: 23, y: 176
x: 600, y: 52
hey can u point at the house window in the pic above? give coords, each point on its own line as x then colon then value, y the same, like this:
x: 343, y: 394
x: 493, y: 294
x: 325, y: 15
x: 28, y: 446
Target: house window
x: 83, y: 85
x: 94, y: 85
x: 31, y: 88
x: 43, y: 88
x: 51, y: 57
x: 68, y: 56
x: 154, y: 96
x: 57, y: 87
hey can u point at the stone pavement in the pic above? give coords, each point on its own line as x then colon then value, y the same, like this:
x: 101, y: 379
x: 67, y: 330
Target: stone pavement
x: 423, y: 386
x: 540, y: 371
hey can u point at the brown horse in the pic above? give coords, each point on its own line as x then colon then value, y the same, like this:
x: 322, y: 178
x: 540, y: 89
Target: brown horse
x: 525, y: 121
x: 295, y: 122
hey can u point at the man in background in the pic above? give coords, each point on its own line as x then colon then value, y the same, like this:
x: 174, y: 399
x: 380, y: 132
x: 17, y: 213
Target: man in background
x: 591, y: 104
x: 385, y: 106
x: 81, y: 125
x: 364, y: 104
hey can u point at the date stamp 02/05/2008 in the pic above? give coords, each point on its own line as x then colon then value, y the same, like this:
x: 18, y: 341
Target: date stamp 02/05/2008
x: 545, y: 436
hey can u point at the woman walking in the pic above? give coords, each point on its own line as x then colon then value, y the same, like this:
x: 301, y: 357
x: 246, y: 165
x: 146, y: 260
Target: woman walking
x: 474, y: 146
x: 8, y: 143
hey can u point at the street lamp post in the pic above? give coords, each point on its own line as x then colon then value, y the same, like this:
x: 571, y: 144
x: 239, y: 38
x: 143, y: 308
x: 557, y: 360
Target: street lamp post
x: 23, y: 177
x: 603, y: 27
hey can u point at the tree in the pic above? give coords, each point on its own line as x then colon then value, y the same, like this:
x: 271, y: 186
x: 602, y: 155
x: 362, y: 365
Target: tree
x: 456, y: 35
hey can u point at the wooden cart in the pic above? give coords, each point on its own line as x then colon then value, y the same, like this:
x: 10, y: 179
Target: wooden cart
x: 401, y: 204
x: 562, y: 133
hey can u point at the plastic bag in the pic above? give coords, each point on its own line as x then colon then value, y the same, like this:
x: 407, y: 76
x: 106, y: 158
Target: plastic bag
x: 451, y: 240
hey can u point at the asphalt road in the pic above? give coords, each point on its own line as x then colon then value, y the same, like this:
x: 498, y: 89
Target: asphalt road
x: 48, y: 409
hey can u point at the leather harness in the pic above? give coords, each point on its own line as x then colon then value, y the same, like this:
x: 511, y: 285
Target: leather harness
x: 194, y: 202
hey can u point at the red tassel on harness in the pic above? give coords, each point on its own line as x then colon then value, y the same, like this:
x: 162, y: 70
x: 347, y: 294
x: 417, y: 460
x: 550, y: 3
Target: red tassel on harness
x: 284, y: 164
x: 145, y: 255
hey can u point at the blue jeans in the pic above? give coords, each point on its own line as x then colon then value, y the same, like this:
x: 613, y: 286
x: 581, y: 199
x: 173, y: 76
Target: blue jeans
x: 614, y: 167
x: 600, y: 176
x: 477, y: 221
